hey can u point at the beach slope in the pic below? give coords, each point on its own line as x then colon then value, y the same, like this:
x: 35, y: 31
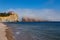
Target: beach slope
x: 5, y: 32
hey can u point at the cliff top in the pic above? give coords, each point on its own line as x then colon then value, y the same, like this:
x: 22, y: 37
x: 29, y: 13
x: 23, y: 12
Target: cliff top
x: 6, y: 14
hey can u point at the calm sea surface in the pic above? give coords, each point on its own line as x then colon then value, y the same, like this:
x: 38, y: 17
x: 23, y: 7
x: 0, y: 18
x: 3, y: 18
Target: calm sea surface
x: 35, y: 30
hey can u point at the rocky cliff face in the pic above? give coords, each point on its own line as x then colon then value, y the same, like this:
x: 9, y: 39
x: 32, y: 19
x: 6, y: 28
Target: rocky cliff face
x: 8, y: 17
x: 26, y: 19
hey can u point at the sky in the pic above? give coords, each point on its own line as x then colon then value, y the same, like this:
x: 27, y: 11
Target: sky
x: 43, y: 9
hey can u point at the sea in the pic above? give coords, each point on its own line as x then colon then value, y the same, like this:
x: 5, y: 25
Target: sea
x: 35, y: 30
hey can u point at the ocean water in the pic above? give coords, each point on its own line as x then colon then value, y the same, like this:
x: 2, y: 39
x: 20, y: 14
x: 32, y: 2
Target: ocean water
x: 35, y: 30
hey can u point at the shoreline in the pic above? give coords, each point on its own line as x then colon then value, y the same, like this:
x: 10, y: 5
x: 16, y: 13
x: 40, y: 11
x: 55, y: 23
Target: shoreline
x: 5, y: 32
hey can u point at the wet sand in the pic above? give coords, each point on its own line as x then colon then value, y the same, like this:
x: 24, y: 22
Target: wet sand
x: 5, y: 32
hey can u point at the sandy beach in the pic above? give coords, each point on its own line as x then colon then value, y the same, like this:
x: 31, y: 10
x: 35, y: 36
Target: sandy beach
x: 5, y: 32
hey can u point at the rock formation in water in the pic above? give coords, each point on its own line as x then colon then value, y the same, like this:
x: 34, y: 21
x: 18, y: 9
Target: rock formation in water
x: 8, y: 17
x: 27, y: 19
x: 5, y: 33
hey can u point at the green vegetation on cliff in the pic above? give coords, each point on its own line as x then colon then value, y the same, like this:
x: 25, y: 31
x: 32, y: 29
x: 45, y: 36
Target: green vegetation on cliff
x: 4, y: 14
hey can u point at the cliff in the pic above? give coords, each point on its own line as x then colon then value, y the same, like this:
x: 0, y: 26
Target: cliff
x: 8, y: 17
x: 27, y: 19
x: 13, y: 17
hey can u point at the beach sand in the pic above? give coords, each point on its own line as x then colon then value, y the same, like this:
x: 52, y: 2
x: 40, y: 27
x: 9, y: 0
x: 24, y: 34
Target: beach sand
x: 5, y: 32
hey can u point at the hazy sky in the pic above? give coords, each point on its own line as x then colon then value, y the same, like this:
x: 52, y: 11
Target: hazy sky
x: 46, y: 9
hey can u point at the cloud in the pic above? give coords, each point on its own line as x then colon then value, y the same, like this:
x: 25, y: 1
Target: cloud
x: 48, y: 14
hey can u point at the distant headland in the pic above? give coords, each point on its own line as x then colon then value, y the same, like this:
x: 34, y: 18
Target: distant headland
x: 28, y: 19
x: 13, y: 17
